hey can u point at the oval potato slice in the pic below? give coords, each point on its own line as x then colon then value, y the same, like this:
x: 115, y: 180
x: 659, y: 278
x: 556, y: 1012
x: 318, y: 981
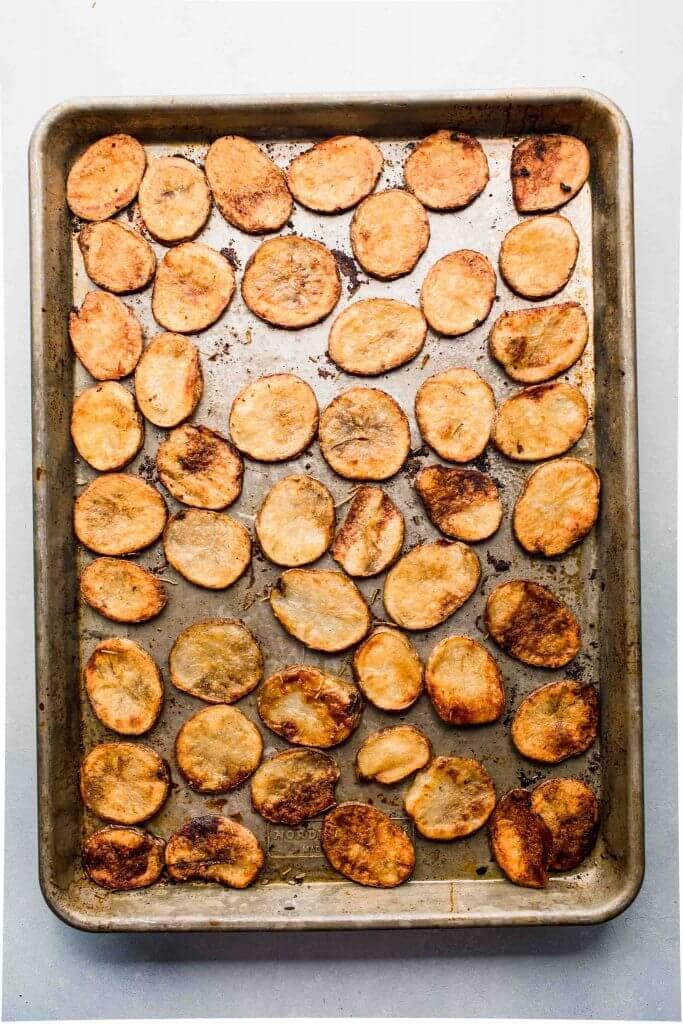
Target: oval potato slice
x: 533, y: 345
x: 570, y: 810
x: 547, y: 171
x: 389, y: 233
x: 454, y: 410
x: 294, y: 785
x: 364, y: 434
x: 106, y: 428
x: 365, y: 845
x: 462, y: 503
x: 538, y: 256
x: 325, y: 610
x: 373, y: 336
x: 451, y: 798
x: 199, y: 467
x: 430, y: 582
x: 124, y: 782
x: 168, y: 380
x: 208, y: 548
x: 458, y: 292
x: 447, y: 170
x: 392, y: 754
x: 335, y: 174
x: 122, y: 591
x: 106, y: 336
x: 116, y: 258
x: 124, y: 686
x: 121, y: 858
x: 388, y: 670
x: 295, y: 523
x: 274, y: 418
x: 106, y: 177
x: 291, y: 282
x: 371, y: 536
x: 174, y: 199
x: 464, y: 683
x: 118, y: 514
x: 521, y: 842
x: 557, y: 508
x: 217, y: 749
x: 214, y: 849
x: 248, y: 188
x: 218, y: 660
x: 310, y: 707
x: 541, y: 421
x: 532, y: 625
x: 557, y: 721
x: 192, y: 289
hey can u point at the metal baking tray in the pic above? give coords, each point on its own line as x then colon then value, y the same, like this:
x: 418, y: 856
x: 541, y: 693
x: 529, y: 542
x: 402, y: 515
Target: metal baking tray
x: 455, y: 883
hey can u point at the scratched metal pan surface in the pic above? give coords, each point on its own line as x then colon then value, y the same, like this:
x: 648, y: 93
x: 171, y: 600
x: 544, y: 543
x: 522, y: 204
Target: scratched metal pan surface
x: 454, y: 883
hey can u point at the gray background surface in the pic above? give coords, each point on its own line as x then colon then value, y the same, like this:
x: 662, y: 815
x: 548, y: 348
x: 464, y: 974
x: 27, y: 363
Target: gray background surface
x: 630, y: 51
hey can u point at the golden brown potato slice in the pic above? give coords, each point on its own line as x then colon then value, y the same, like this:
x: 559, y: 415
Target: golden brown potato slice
x: 430, y: 582
x: 123, y: 858
x: 365, y: 845
x: 174, y: 199
x: 168, y: 380
x: 538, y: 256
x: 364, y: 434
x: 464, y: 682
x: 462, y: 503
x: 447, y: 170
x: 192, y: 289
x: 371, y: 536
x: 106, y: 428
x: 124, y: 782
x: 118, y: 514
x: 199, y: 467
x: 106, y: 336
x: 531, y: 624
x: 389, y: 233
x: 388, y: 670
x: 208, y: 548
x: 540, y: 421
x: 376, y: 335
x: 294, y: 785
x: 116, y: 258
x: 521, y: 841
x: 106, y: 177
x: 392, y: 754
x: 570, y: 810
x: 217, y: 749
x: 547, y: 171
x: 458, y: 292
x: 295, y: 523
x: 308, y: 706
x: 218, y: 661
x: 249, y: 189
x: 451, y: 798
x: 335, y: 174
x: 124, y: 686
x: 122, y: 591
x: 214, y: 849
x: 558, y: 506
x: 323, y: 609
x: 274, y: 418
x: 533, y: 345
x: 454, y: 410
x: 291, y: 282
x: 557, y: 721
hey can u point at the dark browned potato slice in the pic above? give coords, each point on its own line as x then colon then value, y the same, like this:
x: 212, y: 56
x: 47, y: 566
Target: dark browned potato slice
x: 454, y: 410
x: 371, y: 536
x: 310, y: 707
x: 124, y: 782
x: 174, y: 199
x: 365, y: 845
x: 570, y: 810
x: 364, y: 434
x: 116, y: 258
x: 217, y: 749
x: 389, y: 233
x: 336, y: 174
x: 291, y: 282
x: 192, y: 289
x: 531, y: 624
x: 218, y: 661
x: 294, y: 785
x: 295, y: 523
x: 430, y: 582
x: 199, y: 467
x: 533, y: 345
x: 392, y: 754
x: 458, y: 292
x: 105, y: 426
x: 451, y: 798
x: 168, y: 380
x: 462, y: 503
x: 249, y: 189
x: 106, y: 336
x: 558, y: 506
x: 557, y: 721
x: 547, y: 171
x: 122, y: 591
x: 375, y: 335
x: 214, y: 849
x: 540, y: 421
x: 323, y: 609
x: 388, y: 670
x: 121, y: 858
x: 275, y: 418
x: 521, y: 842
x: 208, y: 548
x: 118, y: 514
x: 106, y: 177
x: 538, y: 256
x: 447, y: 170
x: 124, y: 686
x: 464, y: 682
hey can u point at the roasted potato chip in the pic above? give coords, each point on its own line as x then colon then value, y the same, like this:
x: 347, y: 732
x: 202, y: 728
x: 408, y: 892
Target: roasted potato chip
x: 462, y: 503
x: 295, y: 523
x: 294, y: 785
x: 540, y: 421
x: 208, y: 548
x: 365, y: 845
x: 430, y: 582
x: 122, y: 591
x: 218, y: 661
x: 115, y: 257
x: 106, y: 336
x: 558, y: 506
x: 174, y: 199
x: 376, y: 335
x: 199, y: 467
x: 217, y: 749
x: 118, y: 514
x: 323, y: 609
x: 389, y: 233
x: 531, y: 624
x: 274, y: 418
x: 291, y: 282
x: 192, y: 289
x: 106, y: 428
x: 124, y: 686
x: 392, y: 754
x: 547, y: 171
x: 364, y: 434
x: 249, y: 189
x: 521, y: 842
x: 123, y: 858
x: 335, y: 174
x: 371, y: 536
x: 388, y: 670
x: 310, y: 707
x: 124, y: 782
x: 557, y: 721
x: 168, y: 380
x: 214, y: 849
x: 454, y: 410
x: 447, y: 170
x: 538, y: 256
x: 458, y: 292
x: 464, y: 682
x: 451, y: 798
x: 533, y: 345
x: 570, y: 810
x: 106, y: 177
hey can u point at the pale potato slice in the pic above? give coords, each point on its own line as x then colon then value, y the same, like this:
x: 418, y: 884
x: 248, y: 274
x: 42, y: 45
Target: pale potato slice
x: 106, y: 336
x: 116, y: 258
x: 451, y: 798
x: 533, y: 345
x: 521, y: 842
x: 124, y: 782
x: 310, y: 707
x: 323, y: 609
x: 431, y: 582
x: 458, y: 292
x: 192, y: 289
x: 218, y: 660
x: 364, y: 434
x: 248, y: 188
x: 557, y: 508
x: 106, y: 428
x: 291, y: 282
x: 447, y: 170
x: 365, y: 845
x: 121, y: 858
x: 214, y: 849
x: 376, y: 335
x: 124, y: 686
x: 174, y: 199
x: 557, y: 721
x: 464, y: 683
x: 293, y: 786
x: 371, y: 536
x: 540, y: 422
x: 118, y: 514
x: 199, y: 467
x: 335, y: 174
x: 168, y: 380
x: 106, y: 177
x: 388, y: 670
x: 389, y: 233
x: 454, y: 410
x: 570, y: 810
x: 532, y: 625
x: 462, y: 503
x: 392, y: 754
x: 274, y: 418
x: 547, y: 171
x: 208, y: 548
x: 122, y: 591
x: 295, y: 523
x: 217, y: 749
x: 538, y: 256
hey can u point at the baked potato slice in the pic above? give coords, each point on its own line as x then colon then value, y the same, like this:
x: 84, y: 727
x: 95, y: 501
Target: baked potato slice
x: 557, y: 508
x: 115, y: 257
x: 464, y: 682
x: 118, y: 514
x: 521, y: 842
x: 199, y: 467
x: 310, y: 707
x: 458, y: 292
x: 122, y: 591
x: 388, y: 670
x: 373, y: 336
x: 371, y: 536
x: 124, y: 686
x: 274, y: 418
x: 451, y: 798
x: 106, y: 428
x: 532, y: 624
x: 168, y: 380
x: 209, y: 549
x: 431, y: 582
x: 218, y: 661
x: 454, y: 410
x: 106, y: 336
x: 335, y: 174
x: 534, y: 345
x: 570, y: 810
x: 106, y: 177
x: 126, y: 783
x: 248, y: 188
x: 447, y: 170
x: 547, y: 171
x: 120, y: 858
x: 540, y: 422
x: 214, y: 849
x: 295, y: 523
x: 192, y: 288
x: 538, y: 256
x: 462, y: 503
x: 324, y: 610
x: 392, y: 754
x: 293, y: 786
x: 389, y: 233
x: 217, y: 749
x: 174, y: 199
x: 366, y: 846
x: 364, y: 434
x: 291, y: 282
x: 557, y: 721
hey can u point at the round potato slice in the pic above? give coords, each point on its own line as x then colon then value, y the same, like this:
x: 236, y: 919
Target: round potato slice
x: 533, y: 345
x: 218, y: 661
x: 294, y: 785
x: 451, y: 798
x: 168, y: 380
x: 371, y: 536
x: 557, y: 721
x: 291, y: 282
x: 392, y: 754
x: 447, y: 170
x: 458, y: 292
x: 295, y: 523
x: 462, y: 503
x: 464, y: 682
x: 532, y: 625
x: 248, y: 188
x: 116, y: 258
x: 122, y: 591
x: 388, y: 670
x: 118, y: 514
x: 521, y: 842
x: 323, y: 609
x: 557, y: 508
x: 364, y: 434
x: 538, y: 256
x: 217, y: 749
x: 431, y: 582
x: 174, y: 199
x: 199, y: 467
x: 547, y: 171
x: 106, y: 336
x: 310, y: 707
x: 124, y: 782
x: 208, y: 548
x: 570, y: 810
x: 124, y: 686
x: 365, y: 845
x: 376, y: 335
x: 106, y: 177
x: 121, y: 858
x: 335, y: 174
x: 106, y: 428
x: 192, y: 289
x: 540, y: 421
x: 214, y: 849
x: 454, y: 410
x: 389, y: 233
x: 275, y: 418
